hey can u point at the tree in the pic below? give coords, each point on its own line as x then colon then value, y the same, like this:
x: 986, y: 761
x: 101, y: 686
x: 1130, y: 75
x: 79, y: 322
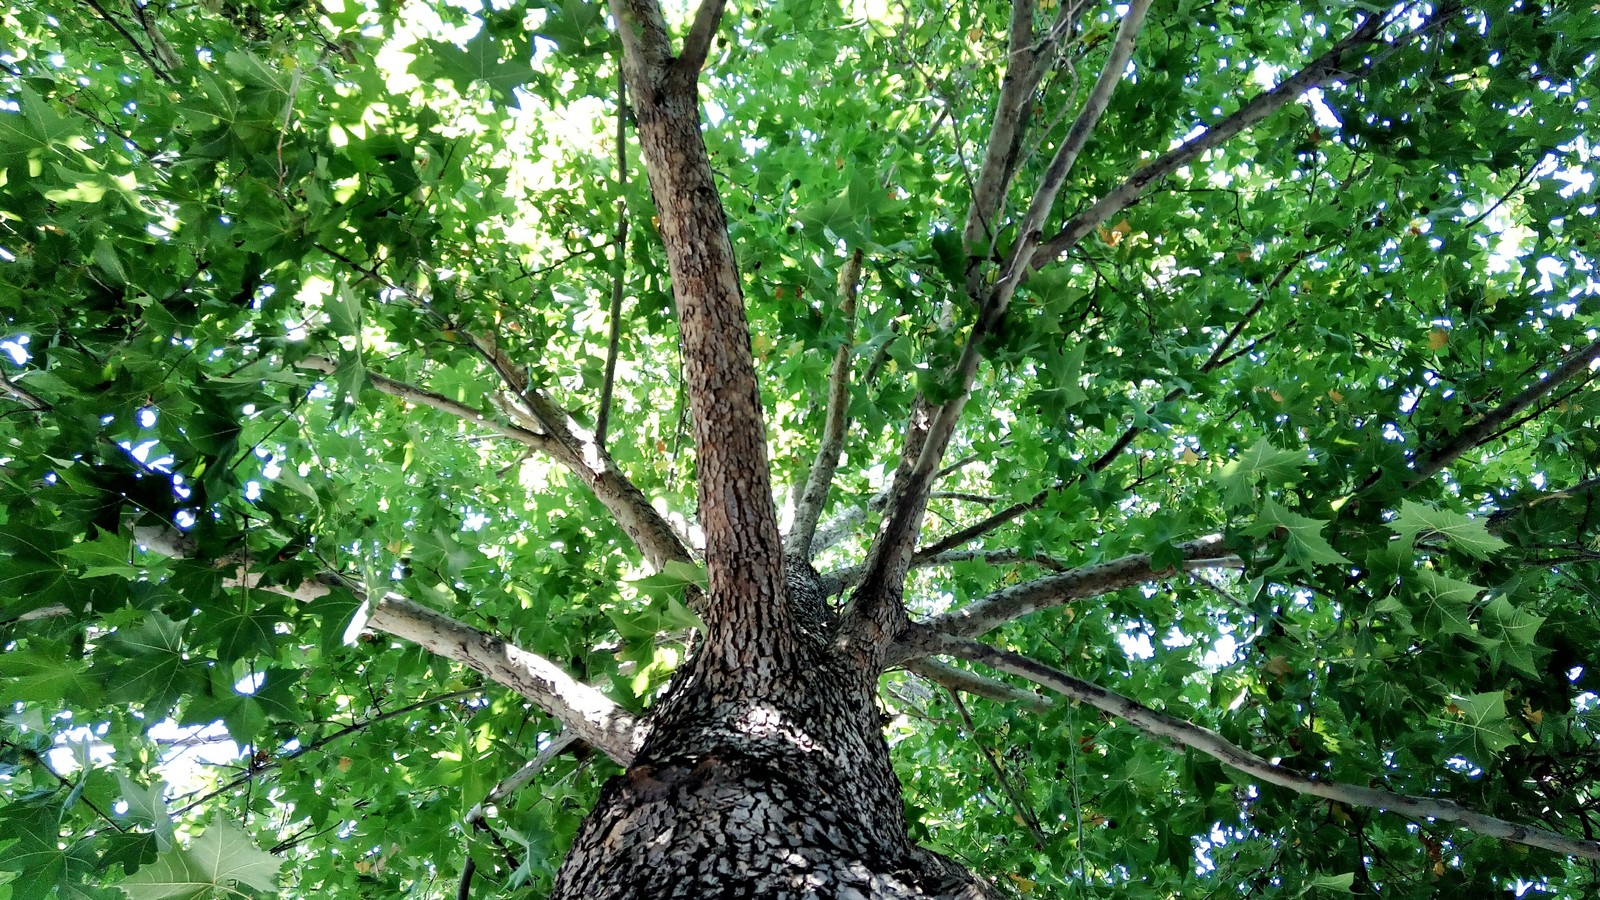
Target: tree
x: 1042, y: 448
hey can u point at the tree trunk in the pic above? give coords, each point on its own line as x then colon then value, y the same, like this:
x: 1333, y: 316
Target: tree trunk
x: 764, y: 772
x: 790, y: 795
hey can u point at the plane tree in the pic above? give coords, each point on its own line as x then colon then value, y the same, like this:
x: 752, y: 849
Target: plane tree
x: 865, y: 449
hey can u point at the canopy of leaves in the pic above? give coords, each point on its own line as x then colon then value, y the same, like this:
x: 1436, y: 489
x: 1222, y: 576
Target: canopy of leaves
x: 251, y: 253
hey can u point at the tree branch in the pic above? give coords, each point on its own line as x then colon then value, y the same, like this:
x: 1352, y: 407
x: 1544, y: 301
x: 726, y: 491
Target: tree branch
x: 424, y: 397
x: 1024, y: 812
x: 1187, y: 734
x: 319, y: 743
x: 836, y: 422
x: 876, y: 611
x: 697, y: 43
x: 588, y: 714
x: 619, y: 267
x: 748, y: 610
x: 984, y: 615
x: 850, y: 576
x: 953, y: 679
x: 1003, y: 151
x: 22, y: 395
x: 1321, y: 70
x: 1485, y: 428
x: 155, y: 67
x: 577, y: 450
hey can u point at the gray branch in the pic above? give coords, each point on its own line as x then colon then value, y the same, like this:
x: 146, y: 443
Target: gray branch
x: 1187, y: 734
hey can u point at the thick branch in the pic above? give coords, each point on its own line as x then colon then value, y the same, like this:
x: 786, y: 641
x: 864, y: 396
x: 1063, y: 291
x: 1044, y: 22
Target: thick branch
x: 588, y: 714
x: 748, y: 609
x: 585, y: 711
x: 1002, y: 153
x: 1485, y: 428
x: 697, y: 43
x: 1323, y: 69
x: 1187, y: 734
x: 984, y: 615
x: 835, y: 423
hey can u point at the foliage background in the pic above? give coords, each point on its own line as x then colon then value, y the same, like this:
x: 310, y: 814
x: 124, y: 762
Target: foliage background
x: 196, y: 199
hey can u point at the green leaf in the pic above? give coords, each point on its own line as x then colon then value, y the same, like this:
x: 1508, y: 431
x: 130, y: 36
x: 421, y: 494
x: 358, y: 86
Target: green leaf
x: 1302, y: 535
x: 1482, y: 719
x: 1424, y: 520
x: 222, y: 862
x: 1261, y: 464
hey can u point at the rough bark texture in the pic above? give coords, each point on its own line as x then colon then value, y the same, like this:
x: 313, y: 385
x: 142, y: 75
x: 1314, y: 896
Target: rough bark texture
x: 764, y: 772
x: 787, y: 795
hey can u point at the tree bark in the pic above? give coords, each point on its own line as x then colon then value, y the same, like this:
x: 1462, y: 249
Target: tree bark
x: 764, y: 772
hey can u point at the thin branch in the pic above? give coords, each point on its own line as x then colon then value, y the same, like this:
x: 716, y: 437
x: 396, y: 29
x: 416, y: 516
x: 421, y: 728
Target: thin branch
x: 619, y: 268
x: 1502, y: 516
x: 588, y: 714
x: 985, y: 614
x: 424, y: 397
x: 22, y: 395
x: 1485, y: 428
x: 839, y: 579
x: 318, y: 744
x: 953, y: 679
x: 984, y: 526
x: 1024, y: 812
x: 1187, y: 734
x: 476, y: 817
x: 138, y: 48
x: 836, y: 422
x: 1325, y: 68
x: 576, y: 449
x: 38, y: 759
x: 516, y: 780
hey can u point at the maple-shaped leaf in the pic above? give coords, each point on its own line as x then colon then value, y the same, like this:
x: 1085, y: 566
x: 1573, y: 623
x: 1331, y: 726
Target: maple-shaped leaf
x: 1447, y: 602
x: 481, y: 60
x: 1262, y: 463
x: 1465, y: 534
x: 1302, y: 535
x: 223, y: 862
x: 1486, y: 729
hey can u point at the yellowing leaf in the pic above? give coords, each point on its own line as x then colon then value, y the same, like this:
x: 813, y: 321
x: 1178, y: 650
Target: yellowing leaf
x: 1438, y: 338
x: 1025, y: 885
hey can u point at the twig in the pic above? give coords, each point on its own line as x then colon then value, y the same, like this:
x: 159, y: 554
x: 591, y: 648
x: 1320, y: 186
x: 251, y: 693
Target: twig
x: 318, y: 744
x: 1029, y: 818
x: 138, y: 47
x: 22, y: 395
